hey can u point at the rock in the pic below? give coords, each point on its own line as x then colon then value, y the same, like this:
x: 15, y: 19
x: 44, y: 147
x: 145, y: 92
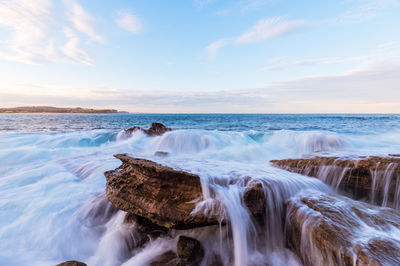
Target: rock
x: 71, y: 263
x: 145, y: 226
x: 329, y: 229
x: 255, y: 199
x: 161, y: 194
x: 167, y: 259
x: 161, y: 153
x: 156, y: 129
x: 190, y: 251
x: 373, y: 178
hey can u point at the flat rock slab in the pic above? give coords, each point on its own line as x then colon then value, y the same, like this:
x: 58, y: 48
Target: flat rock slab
x: 374, y: 178
x: 329, y: 229
x: 159, y: 193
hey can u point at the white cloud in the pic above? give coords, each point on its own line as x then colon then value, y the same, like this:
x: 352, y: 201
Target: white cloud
x: 213, y: 48
x: 129, y: 22
x: 72, y: 50
x: 384, y: 52
x: 26, y: 21
x: 368, y: 90
x: 32, y: 32
x: 285, y: 63
x: 82, y: 20
x: 267, y: 29
x: 363, y: 10
x: 263, y: 30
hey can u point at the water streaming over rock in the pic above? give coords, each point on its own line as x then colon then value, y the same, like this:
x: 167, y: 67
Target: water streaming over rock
x: 52, y: 203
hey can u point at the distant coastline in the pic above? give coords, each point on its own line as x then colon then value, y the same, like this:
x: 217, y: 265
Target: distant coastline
x: 51, y: 109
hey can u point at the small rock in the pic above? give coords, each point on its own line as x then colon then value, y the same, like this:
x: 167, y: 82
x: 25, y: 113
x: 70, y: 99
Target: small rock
x: 156, y: 129
x: 72, y: 263
x: 190, y: 251
x: 145, y: 226
x: 255, y: 199
x: 167, y: 259
x: 161, y: 153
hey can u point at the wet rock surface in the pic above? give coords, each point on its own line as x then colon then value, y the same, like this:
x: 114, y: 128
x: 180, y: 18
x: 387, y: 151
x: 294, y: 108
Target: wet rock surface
x: 156, y: 129
x: 167, y: 259
x: 190, y: 251
x: 255, y: 199
x: 144, y: 228
x: 374, y: 178
x: 161, y: 194
x: 328, y: 229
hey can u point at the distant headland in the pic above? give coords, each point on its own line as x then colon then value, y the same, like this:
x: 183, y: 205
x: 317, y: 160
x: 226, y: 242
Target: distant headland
x: 51, y: 109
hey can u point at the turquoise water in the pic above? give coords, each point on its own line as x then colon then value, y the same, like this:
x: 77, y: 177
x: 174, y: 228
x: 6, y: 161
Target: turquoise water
x: 52, y: 165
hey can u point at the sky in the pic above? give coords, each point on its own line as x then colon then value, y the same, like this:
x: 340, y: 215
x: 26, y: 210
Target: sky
x: 202, y: 56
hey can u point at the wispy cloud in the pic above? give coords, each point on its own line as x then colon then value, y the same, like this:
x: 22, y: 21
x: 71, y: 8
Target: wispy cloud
x: 285, y: 63
x: 26, y: 22
x: 268, y: 28
x: 72, y: 50
x: 263, y: 30
x: 32, y: 32
x: 82, y: 20
x: 384, y: 52
x: 364, y: 10
x: 200, y: 4
x: 128, y: 21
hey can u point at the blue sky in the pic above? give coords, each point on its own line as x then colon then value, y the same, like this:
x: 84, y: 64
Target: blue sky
x: 264, y: 56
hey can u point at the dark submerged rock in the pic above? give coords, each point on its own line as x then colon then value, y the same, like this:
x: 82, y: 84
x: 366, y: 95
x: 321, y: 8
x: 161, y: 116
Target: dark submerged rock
x: 329, y: 229
x: 72, y: 263
x: 145, y: 225
x: 166, y: 259
x: 161, y: 153
x: 161, y: 194
x: 190, y: 251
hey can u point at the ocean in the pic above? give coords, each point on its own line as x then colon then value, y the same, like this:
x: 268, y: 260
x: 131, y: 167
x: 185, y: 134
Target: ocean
x: 52, y: 175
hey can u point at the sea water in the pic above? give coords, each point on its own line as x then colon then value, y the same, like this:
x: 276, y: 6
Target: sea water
x: 52, y: 203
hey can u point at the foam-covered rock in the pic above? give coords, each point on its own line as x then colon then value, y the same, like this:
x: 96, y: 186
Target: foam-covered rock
x: 329, y: 229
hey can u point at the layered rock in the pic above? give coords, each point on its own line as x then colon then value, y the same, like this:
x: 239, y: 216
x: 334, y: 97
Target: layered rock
x: 161, y: 194
x: 327, y: 229
x: 375, y: 178
x: 156, y: 129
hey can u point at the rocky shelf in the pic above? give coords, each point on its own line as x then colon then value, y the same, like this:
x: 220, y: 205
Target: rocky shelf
x: 376, y: 179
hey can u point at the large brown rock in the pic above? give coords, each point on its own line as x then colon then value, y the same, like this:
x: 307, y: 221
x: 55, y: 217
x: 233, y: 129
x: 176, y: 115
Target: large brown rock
x: 156, y: 129
x: 328, y: 229
x: 374, y: 178
x: 161, y: 194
